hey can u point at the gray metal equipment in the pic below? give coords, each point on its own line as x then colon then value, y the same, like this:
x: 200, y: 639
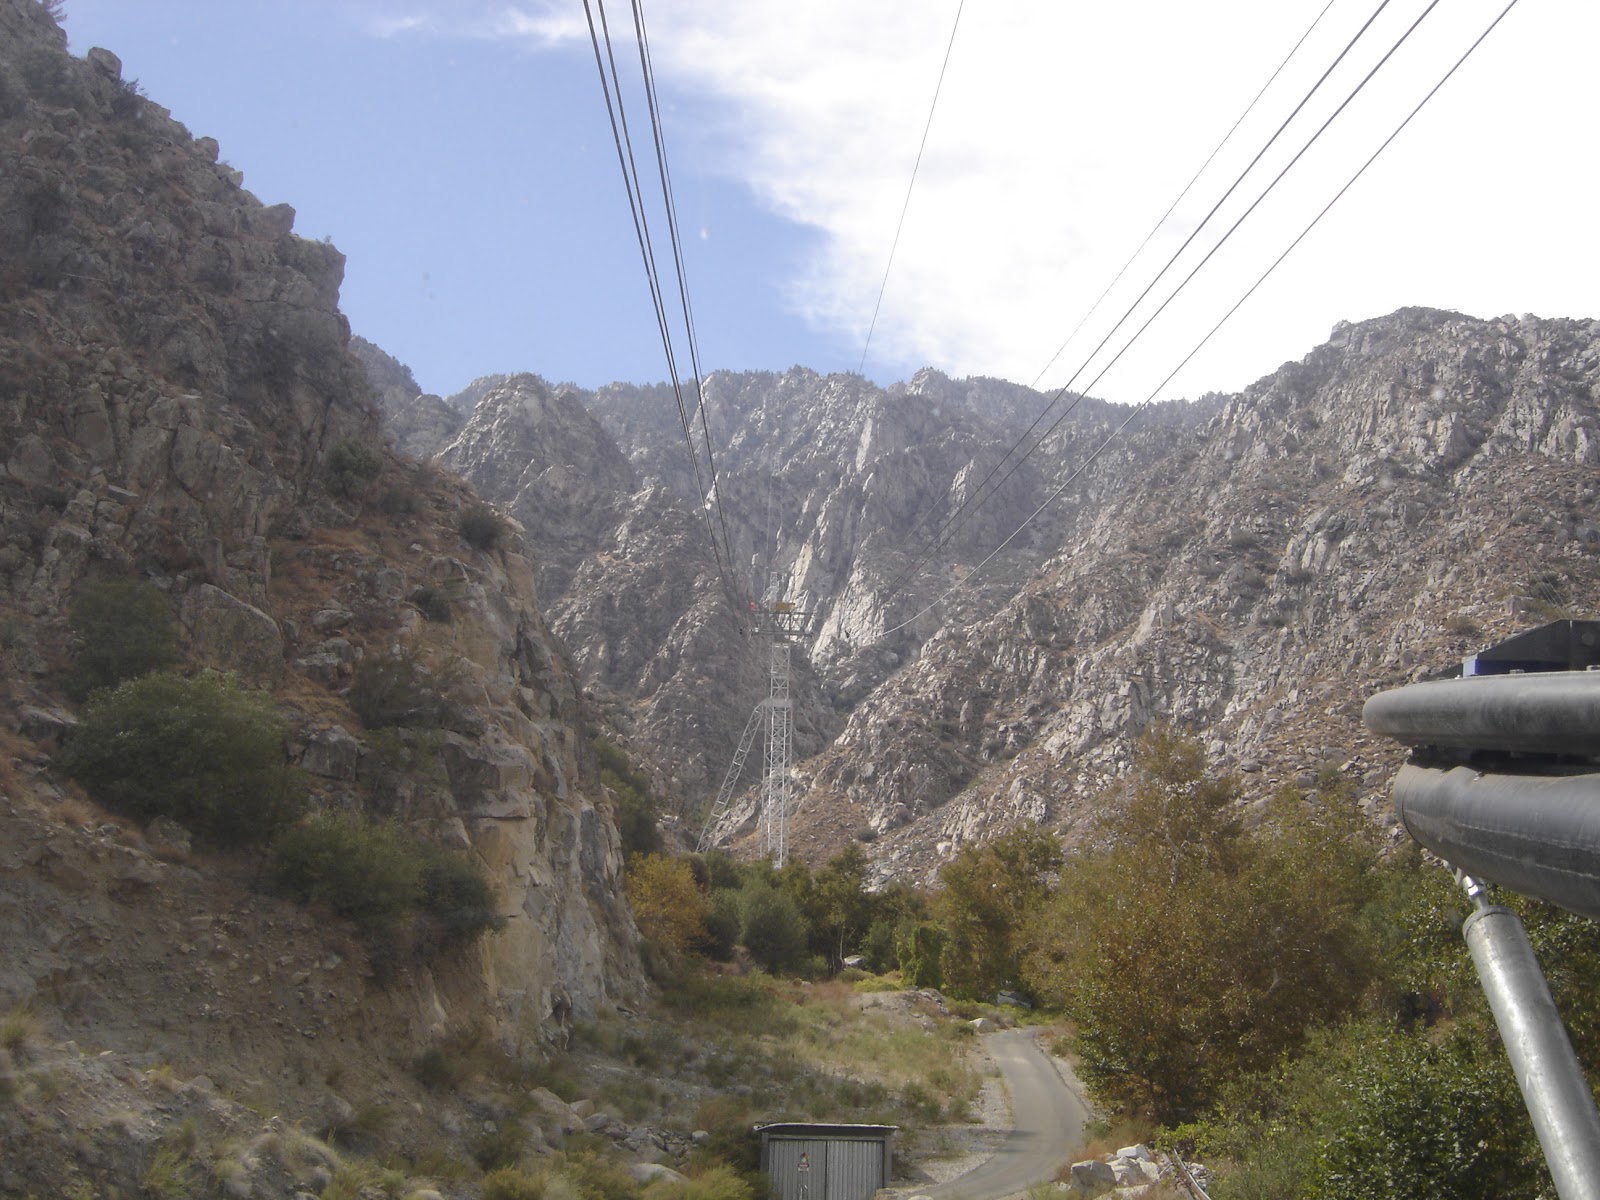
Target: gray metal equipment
x: 1504, y: 784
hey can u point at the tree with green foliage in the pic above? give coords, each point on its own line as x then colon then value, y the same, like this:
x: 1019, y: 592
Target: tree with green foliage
x: 722, y: 924
x: 636, y: 808
x: 772, y: 928
x: 122, y: 628
x: 377, y: 875
x: 1370, y: 1110
x: 895, y: 907
x: 400, y: 688
x: 202, y: 751
x: 368, y: 873
x: 481, y: 527
x: 839, y: 907
x: 988, y: 894
x: 920, y: 948
x: 1188, y: 952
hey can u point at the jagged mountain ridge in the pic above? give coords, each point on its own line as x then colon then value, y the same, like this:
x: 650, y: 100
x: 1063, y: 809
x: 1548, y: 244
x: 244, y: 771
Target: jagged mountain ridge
x: 1417, y: 487
x: 827, y: 480
x: 1252, y: 565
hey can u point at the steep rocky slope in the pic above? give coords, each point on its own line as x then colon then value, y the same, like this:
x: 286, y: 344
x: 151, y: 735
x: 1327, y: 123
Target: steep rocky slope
x: 176, y: 389
x: 834, y: 484
x: 1253, y: 565
x: 1418, y: 487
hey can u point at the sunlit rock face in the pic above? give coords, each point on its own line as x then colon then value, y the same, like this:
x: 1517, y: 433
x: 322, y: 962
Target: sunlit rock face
x: 991, y: 627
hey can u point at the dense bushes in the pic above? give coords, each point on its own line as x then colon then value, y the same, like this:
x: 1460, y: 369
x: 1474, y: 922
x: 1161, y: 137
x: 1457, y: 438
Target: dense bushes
x: 668, y: 905
x: 400, y: 689
x: 636, y: 806
x: 351, y: 468
x: 122, y: 628
x: 1163, y: 1028
x: 201, y: 751
x: 481, y: 527
x: 376, y: 875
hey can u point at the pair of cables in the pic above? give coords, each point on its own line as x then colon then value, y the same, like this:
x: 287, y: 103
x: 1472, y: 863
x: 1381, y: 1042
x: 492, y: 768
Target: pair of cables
x: 611, y: 84
x: 985, y: 491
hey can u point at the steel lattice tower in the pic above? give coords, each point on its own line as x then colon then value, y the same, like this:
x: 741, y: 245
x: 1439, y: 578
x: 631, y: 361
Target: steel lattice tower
x: 781, y: 622
x: 780, y: 728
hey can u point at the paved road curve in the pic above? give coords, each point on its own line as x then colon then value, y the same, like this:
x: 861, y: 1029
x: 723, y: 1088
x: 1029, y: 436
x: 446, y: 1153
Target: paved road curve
x: 1048, y: 1117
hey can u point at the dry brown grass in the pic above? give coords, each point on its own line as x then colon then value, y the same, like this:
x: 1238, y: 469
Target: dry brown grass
x: 1121, y: 1131
x: 19, y: 1029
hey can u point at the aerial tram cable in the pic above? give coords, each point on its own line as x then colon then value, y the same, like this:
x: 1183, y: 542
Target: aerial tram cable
x: 957, y: 520
x: 647, y: 71
x: 978, y: 497
x: 1154, y: 392
x: 906, y: 206
x: 1173, y: 207
x: 1234, y: 186
x: 610, y: 81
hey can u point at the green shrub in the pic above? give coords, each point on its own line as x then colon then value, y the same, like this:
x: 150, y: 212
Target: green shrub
x: 920, y: 948
x: 720, y: 1182
x: 598, y: 1177
x: 201, y: 751
x: 722, y: 925
x: 397, y: 502
x: 481, y: 527
x: 377, y: 874
x: 122, y: 628
x: 772, y: 928
x: 636, y: 809
x: 501, y: 1147
x: 433, y: 603
x: 456, y: 895
x: 351, y: 468
x: 400, y: 689
x: 369, y: 873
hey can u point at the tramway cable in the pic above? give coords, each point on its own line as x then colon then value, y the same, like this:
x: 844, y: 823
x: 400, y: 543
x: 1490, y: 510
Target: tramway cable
x: 978, y: 496
x: 1173, y: 207
x: 906, y: 206
x: 622, y: 136
x: 1150, y: 399
x: 647, y: 70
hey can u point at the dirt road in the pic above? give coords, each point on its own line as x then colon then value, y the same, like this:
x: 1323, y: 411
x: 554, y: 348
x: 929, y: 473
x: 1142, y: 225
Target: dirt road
x: 1047, y: 1123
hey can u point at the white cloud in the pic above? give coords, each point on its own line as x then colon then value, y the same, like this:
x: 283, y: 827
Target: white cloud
x: 1063, y: 132
x: 540, y: 25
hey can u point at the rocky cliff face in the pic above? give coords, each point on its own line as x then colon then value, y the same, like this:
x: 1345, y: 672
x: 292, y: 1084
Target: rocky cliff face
x: 1253, y: 565
x: 834, y: 484
x: 1419, y: 487
x: 174, y: 377
x: 416, y: 423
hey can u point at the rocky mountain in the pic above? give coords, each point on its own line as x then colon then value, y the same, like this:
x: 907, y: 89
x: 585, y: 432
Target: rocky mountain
x: 1252, y: 565
x: 179, y: 405
x: 415, y: 422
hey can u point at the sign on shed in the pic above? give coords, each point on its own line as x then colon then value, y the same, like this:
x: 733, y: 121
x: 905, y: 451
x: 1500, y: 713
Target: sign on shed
x: 826, y: 1162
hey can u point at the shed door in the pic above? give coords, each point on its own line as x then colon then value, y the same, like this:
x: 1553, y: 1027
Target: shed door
x: 799, y: 1169
x: 855, y: 1170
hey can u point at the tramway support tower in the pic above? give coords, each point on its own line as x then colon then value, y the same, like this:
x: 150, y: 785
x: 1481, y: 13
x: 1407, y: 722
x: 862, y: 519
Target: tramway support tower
x: 782, y: 623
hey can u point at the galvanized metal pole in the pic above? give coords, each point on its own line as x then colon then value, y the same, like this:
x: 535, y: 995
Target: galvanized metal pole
x: 1553, y: 1085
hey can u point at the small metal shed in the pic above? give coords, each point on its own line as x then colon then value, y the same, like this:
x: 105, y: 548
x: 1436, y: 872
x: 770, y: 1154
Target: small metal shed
x: 806, y: 1161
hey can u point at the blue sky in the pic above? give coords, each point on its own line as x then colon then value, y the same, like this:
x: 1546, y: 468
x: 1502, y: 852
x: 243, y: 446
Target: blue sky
x: 458, y: 152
